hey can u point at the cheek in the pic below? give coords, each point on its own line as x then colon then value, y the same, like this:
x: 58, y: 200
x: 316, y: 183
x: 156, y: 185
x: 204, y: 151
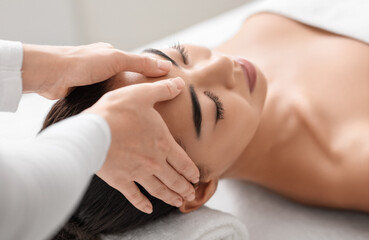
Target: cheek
x: 241, y: 124
x: 232, y: 135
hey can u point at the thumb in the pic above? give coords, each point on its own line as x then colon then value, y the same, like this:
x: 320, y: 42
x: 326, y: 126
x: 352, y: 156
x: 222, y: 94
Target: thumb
x: 164, y: 90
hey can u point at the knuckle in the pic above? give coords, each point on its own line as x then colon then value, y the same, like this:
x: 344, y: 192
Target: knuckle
x: 151, y: 163
x: 176, y: 184
x: 104, y: 44
x: 88, y: 46
x: 134, y: 175
x: 187, y: 189
x: 118, y: 60
x: 97, y: 44
x: 170, y: 86
x: 160, y: 191
x: 147, y: 63
x: 135, y: 197
x: 183, y: 168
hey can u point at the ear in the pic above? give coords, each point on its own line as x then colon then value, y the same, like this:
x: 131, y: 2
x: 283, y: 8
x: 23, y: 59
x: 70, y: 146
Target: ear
x: 203, y: 192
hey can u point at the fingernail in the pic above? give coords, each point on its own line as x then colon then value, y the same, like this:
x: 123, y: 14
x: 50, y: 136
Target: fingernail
x: 178, y: 202
x: 148, y: 209
x: 178, y: 82
x: 164, y: 65
x: 191, y: 197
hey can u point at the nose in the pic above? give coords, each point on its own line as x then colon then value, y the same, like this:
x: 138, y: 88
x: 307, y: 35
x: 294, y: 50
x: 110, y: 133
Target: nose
x: 217, y: 70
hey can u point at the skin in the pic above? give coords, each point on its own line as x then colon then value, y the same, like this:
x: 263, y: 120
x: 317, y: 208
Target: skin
x: 52, y: 71
x: 165, y: 169
x: 306, y: 137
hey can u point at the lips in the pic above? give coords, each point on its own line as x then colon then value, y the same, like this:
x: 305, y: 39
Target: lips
x: 249, y: 72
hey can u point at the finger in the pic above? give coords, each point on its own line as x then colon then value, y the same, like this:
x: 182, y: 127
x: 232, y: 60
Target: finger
x: 176, y: 182
x: 135, y: 196
x: 161, y: 90
x: 148, y: 66
x: 102, y: 44
x: 157, y: 189
x: 180, y: 161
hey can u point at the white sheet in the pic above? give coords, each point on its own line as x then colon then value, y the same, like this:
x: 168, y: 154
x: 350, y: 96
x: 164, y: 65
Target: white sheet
x: 268, y: 216
x: 346, y: 17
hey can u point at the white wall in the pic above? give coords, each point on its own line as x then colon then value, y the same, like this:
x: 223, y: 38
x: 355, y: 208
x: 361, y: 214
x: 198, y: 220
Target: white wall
x: 71, y: 22
x: 127, y: 24
x: 39, y: 21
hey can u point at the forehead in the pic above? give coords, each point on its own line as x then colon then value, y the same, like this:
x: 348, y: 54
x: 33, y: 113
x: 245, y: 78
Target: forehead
x: 177, y: 114
x: 215, y: 147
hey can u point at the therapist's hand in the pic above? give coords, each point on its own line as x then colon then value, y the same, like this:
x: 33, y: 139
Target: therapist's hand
x: 52, y: 71
x: 142, y: 148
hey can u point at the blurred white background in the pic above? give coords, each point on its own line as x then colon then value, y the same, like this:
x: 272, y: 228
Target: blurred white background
x: 126, y: 24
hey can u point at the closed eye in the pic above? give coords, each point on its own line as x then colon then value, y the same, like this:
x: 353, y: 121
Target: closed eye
x: 218, y: 104
x: 182, y: 50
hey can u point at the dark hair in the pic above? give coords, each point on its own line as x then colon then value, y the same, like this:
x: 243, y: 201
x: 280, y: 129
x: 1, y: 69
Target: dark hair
x: 103, y: 209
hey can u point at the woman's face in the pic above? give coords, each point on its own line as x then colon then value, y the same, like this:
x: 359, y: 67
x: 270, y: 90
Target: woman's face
x: 228, y: 110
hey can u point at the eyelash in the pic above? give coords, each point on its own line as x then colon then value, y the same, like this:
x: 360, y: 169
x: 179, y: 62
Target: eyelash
x: 218, y: 103
x: 182, y: 50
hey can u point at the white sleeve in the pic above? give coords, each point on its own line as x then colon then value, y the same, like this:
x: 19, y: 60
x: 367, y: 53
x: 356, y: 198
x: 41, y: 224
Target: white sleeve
x: 42, y: 180
x: 11, y: 58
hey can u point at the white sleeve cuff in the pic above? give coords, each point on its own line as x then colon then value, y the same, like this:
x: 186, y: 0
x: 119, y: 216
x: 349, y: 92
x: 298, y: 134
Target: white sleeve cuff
x: 11, y: 58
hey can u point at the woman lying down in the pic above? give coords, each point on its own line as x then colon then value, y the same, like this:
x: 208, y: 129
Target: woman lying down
x: 286, y: 109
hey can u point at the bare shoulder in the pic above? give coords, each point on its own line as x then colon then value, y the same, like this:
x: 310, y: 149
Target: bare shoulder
x: 351, y: 144
x: 350, y: 149
x: 310, y: 169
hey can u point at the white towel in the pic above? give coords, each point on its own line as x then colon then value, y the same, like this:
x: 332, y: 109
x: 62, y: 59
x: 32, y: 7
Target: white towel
x: 346, y: 17
x: 203, y: 224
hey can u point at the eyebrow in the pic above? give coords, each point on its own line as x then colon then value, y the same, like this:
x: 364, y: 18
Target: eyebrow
x: 161, y: 54
x: 196, y: 111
